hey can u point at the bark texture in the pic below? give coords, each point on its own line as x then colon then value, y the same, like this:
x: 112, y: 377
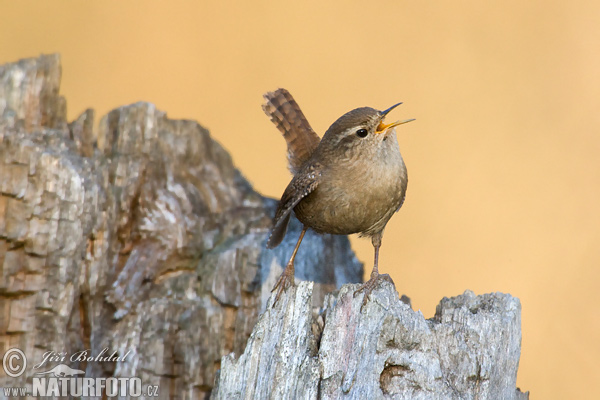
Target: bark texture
x: 469, y: 350
x: 140, y: 236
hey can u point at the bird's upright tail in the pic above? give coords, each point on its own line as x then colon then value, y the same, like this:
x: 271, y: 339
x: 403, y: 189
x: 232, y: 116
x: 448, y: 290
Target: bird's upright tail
x: 285, y: 113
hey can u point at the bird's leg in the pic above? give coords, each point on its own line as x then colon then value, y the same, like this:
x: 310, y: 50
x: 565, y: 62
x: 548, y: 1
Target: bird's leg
x: 287, y: 277
x: 369, y: 285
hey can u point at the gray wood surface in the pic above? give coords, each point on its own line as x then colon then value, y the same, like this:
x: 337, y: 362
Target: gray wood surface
x: 469, y: 350
x: 139, y: 235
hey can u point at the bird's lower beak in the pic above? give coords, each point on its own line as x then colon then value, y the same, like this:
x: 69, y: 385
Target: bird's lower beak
x: 383, y: 128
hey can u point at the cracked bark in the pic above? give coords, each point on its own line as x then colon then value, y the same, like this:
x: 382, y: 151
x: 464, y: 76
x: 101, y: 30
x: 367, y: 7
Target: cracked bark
x: 138, y: 236
x: 469, y: 350
x: 141, y: 236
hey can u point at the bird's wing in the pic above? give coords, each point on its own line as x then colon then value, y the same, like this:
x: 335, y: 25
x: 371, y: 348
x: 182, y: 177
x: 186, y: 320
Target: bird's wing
x: 305, y: 182
x: 285, y: 113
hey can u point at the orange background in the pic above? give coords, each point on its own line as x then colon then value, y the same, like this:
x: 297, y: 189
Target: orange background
x: 503, y: 159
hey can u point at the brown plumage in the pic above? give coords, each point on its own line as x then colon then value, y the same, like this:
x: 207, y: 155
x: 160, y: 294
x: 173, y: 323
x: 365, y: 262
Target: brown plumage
x: 285, y: 113
x: 352, y: 181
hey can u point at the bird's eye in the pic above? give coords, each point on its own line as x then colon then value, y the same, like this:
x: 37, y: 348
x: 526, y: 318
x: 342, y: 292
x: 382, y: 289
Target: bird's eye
x: 361, y: 133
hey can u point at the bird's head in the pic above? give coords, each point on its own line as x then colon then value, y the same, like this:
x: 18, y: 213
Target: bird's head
x: 360, y: 131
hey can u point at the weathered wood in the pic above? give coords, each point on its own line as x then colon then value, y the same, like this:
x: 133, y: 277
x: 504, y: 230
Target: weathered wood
x: 469, y: 350
x: 139, y: 236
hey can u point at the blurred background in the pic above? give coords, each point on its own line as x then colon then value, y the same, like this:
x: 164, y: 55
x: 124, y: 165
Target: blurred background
x: 503, y: 160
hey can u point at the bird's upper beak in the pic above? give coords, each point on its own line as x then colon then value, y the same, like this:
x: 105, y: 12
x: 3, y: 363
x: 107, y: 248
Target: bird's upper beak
x: 383, y: 128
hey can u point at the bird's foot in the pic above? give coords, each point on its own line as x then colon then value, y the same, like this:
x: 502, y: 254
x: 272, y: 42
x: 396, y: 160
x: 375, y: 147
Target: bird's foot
x: 285, y: 281
x: 371, y: 284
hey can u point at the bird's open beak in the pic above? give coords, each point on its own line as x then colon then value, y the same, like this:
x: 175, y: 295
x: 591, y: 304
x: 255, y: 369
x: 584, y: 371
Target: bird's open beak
x: 383, y: 128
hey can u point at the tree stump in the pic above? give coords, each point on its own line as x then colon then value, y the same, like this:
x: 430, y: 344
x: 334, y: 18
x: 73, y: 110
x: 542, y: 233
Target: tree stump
x: 141, y: 237
x: 469, y: 350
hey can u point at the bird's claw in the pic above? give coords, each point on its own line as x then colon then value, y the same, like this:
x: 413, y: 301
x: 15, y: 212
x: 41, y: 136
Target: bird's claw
x: 371, y: 284
x: 285, y: 281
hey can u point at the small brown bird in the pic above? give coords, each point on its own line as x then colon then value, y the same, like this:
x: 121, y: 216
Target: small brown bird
x: 351, y: 181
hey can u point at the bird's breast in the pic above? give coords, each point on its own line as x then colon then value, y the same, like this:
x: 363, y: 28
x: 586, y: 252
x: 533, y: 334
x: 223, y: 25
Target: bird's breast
x: 356, y: 197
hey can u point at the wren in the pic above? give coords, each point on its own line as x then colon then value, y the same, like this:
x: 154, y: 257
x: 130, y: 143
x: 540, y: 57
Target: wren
x: 352, y: 180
